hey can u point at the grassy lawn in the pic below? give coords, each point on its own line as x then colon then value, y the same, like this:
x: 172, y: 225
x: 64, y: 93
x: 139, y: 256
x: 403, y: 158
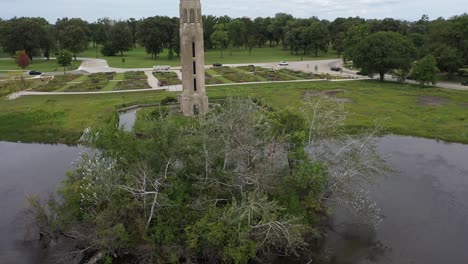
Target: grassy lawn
x: 138, y: 58
x: 404, y: 109
x: 38, y: 65
x: 63, y: 118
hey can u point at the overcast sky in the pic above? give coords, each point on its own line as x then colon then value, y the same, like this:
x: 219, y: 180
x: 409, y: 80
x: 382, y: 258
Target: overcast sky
x: 325, y: 9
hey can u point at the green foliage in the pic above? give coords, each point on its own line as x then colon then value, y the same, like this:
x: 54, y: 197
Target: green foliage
x: 64, y: 59
x: 382, y: 52
x: 205, y: 189
x: 425, y: 71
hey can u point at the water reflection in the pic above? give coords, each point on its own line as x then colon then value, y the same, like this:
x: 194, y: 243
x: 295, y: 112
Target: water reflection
x: 127, y: 119
x: 27, y: 169
x: 425, y: 203
x: 425, y: 206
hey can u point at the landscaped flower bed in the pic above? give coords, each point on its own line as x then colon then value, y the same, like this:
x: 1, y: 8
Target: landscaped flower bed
x: 237, y: 75
x: 167, y: 78
x: 59, y: 81
x: 94, y: 82
x: 209, y: 79
x: 135, y: 75
x: 132, y: 85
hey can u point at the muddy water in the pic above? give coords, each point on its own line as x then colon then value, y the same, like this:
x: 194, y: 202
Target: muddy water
x: 27, y: 169
x: 127, y: 119
x: 424, y: 203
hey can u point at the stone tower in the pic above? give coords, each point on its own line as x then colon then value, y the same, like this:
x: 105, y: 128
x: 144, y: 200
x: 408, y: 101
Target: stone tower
x: 193, y: 100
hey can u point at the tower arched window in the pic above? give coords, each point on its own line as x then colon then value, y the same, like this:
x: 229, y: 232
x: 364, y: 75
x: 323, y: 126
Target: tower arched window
x: 185, y: 16
x: 192, y: 15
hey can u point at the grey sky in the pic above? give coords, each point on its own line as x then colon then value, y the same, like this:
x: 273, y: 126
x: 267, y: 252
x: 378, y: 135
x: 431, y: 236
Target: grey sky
x: 324, y: 9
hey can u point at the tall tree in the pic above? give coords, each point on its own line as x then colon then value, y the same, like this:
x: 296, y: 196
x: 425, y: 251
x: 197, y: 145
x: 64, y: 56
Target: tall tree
x: 425, y: 71
x: 120, y: 37
x: 219, y: 38
x: 384, y: 51
x: 152, y: 36
x: 133, y: 26
x: 317, y: 37
x: 74, y: 38
x: 449, y: 59
x: 64, y: 59
x: 24, y: 34
x: 353, y: 37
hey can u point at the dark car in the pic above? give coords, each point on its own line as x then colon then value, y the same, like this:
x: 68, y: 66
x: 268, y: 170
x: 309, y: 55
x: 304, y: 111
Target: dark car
x: 217, y: 65
x: 35, y: 73
x: 337, y: 69
x: 464, y: 83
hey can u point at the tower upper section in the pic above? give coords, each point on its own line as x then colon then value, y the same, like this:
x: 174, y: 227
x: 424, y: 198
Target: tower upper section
x: 190, y: 12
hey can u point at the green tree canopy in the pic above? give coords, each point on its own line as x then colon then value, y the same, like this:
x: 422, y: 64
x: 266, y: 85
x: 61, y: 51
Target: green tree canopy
x: 64, y: 59
x: 384, y: 51
x: 425, y: 71
x: 120, y: 37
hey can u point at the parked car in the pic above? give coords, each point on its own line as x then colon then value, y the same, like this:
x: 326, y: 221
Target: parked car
x: 217, y: 65
x: 464, y: 83
x: 283, y: 63
x: 35, y: 73
x: 337, y: 69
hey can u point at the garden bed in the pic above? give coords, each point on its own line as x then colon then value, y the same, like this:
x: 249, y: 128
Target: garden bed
x: 167, y: 78
x: 57, y: 82
x: 93, y: 82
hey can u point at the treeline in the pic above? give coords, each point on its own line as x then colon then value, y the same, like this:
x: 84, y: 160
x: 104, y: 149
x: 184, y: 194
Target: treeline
x: 445, y: 39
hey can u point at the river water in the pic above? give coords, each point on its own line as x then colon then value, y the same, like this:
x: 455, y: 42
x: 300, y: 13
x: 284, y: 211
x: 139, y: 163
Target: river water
x: 424, y: 203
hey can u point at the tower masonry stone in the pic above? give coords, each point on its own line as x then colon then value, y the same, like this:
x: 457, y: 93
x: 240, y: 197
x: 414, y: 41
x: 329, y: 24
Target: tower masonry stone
x: 193, y: 100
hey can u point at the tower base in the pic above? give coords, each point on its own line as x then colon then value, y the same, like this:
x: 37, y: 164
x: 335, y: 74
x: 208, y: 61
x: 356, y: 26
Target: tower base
x: 192, y: 105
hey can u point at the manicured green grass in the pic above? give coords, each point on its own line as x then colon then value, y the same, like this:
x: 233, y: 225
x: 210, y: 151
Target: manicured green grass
x: 38, y: 65
x: 63, y: 118
x: 138, y: 58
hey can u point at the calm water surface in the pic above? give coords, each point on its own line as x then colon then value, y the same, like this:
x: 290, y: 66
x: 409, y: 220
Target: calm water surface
x: 424, y: 203
x: 27, y: 169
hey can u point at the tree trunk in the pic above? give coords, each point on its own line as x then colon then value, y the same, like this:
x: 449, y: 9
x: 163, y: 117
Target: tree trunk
x: 121, y: 53
x: 382, y: 76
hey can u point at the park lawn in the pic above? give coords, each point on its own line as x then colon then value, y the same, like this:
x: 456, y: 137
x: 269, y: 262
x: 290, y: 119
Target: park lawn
x: 38, y: 65
x: 63, y: 118
x: 138, y: 58
x: 59, y: 83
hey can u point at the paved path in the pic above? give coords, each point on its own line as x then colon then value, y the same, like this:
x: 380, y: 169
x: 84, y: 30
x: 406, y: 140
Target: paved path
x: 152, y: 80
x: 172, y: 88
